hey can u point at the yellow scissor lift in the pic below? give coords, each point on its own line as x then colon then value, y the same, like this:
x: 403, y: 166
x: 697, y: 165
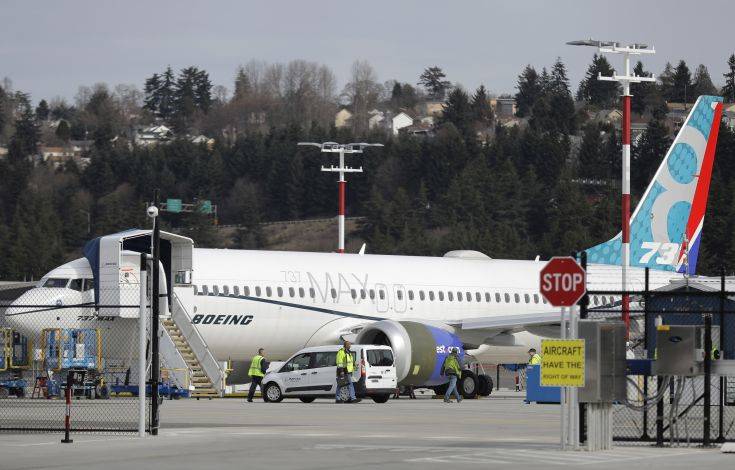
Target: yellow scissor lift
x: 14, y: 359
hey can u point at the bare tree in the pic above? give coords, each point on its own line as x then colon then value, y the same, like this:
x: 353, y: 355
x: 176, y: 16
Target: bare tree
x: 362, y: 93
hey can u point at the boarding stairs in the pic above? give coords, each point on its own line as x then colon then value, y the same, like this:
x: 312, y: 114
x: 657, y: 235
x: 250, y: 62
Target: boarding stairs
x: 207, y: 376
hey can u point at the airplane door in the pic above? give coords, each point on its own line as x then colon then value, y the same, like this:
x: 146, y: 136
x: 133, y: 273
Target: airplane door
x: 296, y: 378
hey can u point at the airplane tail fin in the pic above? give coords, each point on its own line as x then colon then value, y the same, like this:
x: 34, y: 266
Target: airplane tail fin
x: 666, y: 227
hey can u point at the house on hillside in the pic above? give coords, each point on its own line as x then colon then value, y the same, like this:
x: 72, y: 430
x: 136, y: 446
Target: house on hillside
x: 58, y: 156
x: 728, y: 115
x: 401, y: 121
x: 432, y: 108
x: 376, y: 119
x: 202, y: 139
x: 152, y: 135
x: 342, y: 118
x: 608, y: 116
x: 504, y: 108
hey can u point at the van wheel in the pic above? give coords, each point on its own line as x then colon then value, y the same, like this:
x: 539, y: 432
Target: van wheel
x: 484, y: 385
x: 272, y: 393
x: 468, y: 384
x: 307, y: 399
x: 380, y: 398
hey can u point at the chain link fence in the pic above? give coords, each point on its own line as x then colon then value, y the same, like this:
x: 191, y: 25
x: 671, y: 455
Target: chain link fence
x: 671, y: 410
x: 56, y: 328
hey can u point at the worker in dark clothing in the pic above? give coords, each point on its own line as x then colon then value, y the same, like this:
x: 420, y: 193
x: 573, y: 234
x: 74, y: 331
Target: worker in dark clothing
x: 258, y: 366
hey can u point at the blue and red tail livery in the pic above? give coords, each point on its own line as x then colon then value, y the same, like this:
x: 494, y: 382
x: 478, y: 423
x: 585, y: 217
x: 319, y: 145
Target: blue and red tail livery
x: 666, y: 227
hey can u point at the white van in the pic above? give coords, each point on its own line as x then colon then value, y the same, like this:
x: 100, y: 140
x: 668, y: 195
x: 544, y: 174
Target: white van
x: 312, y: 373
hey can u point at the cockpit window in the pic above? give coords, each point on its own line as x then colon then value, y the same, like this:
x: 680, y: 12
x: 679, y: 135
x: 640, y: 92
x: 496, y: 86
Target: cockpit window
x: 56, y: 282
x: 88, y: 284
x: 76, y: 284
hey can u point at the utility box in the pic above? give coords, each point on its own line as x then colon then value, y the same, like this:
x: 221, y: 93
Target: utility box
x: 605, y: 361
x: 679, y: 350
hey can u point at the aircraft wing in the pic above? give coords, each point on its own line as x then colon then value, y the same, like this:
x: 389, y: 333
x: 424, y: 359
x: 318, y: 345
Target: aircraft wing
x: 509, y: 322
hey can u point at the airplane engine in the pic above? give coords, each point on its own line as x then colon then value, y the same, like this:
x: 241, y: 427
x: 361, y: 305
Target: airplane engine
x: 419, y: 349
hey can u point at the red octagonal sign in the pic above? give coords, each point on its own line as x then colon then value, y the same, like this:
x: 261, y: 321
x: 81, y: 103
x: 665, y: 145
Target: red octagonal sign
x: 563, y: 281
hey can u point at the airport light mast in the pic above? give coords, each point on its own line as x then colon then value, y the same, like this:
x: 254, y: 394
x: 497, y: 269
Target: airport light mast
x: 613, y: 47
x: 341, y: 149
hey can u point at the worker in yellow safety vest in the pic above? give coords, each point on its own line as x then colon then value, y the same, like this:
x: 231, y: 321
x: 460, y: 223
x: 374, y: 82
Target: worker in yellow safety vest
x: 452, y: 369
x: 534, y: 359
x: 345, y: 367
x: 258, y: 366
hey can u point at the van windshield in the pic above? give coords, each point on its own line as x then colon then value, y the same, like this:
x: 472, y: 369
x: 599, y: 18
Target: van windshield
x: 380, y: 357
x: 57, y: 282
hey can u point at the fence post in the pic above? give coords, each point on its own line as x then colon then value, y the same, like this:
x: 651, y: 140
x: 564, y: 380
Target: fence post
x: 646, y: 285
x: 67, y: 416
x: 142, y: 343
x: 723, y: 380
x: 583, y: 303
x: 707, y: 378
x: 155, y: 303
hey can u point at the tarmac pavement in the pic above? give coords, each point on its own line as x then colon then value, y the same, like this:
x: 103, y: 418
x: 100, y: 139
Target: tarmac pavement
x: 500, y: 431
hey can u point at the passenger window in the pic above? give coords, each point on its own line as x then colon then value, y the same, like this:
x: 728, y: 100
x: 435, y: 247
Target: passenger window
x: 381, y: 292
x: 594, y: 297
x: 88, y: 284
x: 236, y: 291
x: 362, y: 294
x: 441, y: 296
x: 226, y: 290
x: 353, y: 293
x: 299, y: 362
x: 527, y: 298
x: 291, y: 292
x: 468, y: 296
x: 431, y: 295
x: 459, y: 297
x: 450, y: 296
x: 246, y: 291
x: 399, y: 294
x: 487, y: 297
x: 517, y: 298
x: 410, y: 295
x: 334, y: 293
x: 205, y: 290
x: 497, y: 297
x: 311, y: 292
x: 215, y: 290
x: 325, y: 359
x: 421, y: 295
x: 301, y: 292
x: 268, y: 291
x: 257, y: 291
x: 76, y: 284
x: 544, y: 301
x: 280, y: 291
x: 372, y: 294
x: 478, y: 297
x: 507, y: 298
x: 535, y: 298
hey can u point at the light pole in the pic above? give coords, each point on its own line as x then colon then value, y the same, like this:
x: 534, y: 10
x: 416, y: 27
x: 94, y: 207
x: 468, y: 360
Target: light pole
x: 613, y: 47
x: 341, y: 149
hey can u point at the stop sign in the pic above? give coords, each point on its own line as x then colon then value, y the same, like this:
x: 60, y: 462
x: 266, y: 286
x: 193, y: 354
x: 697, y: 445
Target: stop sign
x: 563, y: 281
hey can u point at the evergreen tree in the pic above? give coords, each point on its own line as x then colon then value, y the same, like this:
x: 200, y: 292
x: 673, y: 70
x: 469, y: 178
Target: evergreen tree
x: 597, y: 92
x: 482, y: 113
x: 152, y: 90
x: 242, y: 85
x: 433, y: 79
x: 42, y: 110
x: 63, y: 131
x: 592, y: 162
x: 728, y: 91
x: 681, y: 91
x: 702, y: 83
x: 167, y: 95
x: 647, y: 155
x: 561, y: 103
x: 666, y: 80
x: 459, y: 112
x: 203, y: 91
x: 644, y: 93
x: 529, y: 91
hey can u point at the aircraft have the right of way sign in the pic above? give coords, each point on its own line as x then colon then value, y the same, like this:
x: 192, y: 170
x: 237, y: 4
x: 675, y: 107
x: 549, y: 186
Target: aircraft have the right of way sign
x: 563, y: 362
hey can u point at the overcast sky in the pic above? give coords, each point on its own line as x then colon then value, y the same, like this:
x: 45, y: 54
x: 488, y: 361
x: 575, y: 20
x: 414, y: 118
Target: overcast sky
x: 50, y: 48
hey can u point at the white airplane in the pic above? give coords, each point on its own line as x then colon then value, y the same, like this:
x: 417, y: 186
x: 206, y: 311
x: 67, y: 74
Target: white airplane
x: 241, y: 300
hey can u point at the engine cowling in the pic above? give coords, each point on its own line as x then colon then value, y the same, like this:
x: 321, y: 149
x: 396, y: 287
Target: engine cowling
x: 419, y: 349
